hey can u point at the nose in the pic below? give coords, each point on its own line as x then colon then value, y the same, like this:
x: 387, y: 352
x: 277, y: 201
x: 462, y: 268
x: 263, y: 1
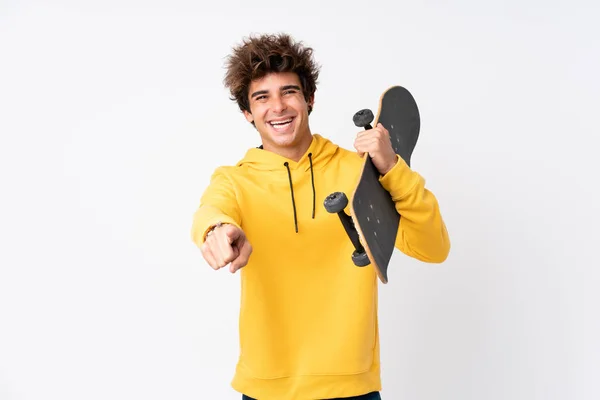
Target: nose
x: 278, y: 105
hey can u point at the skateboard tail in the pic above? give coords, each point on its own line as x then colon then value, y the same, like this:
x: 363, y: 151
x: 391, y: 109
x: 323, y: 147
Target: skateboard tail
x: 376, y: 219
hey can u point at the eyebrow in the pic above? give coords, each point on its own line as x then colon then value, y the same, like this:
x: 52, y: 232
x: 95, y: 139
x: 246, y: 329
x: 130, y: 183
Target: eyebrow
x: 259, y: 93
x: 286, y: 87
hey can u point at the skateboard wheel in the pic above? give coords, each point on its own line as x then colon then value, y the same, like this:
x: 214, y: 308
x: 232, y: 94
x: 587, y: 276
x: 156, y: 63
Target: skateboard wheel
x: 360, y: 259
x: 363, y: 118
x: 335, y: 202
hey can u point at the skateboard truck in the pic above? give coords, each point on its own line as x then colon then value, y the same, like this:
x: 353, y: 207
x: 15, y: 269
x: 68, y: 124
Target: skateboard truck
x: 336, y: 202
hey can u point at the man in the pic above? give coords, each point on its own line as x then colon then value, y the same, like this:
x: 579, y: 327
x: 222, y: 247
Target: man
x: 308, y: 318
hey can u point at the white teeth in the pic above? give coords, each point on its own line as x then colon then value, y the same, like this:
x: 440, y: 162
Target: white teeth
x: 281, y: 122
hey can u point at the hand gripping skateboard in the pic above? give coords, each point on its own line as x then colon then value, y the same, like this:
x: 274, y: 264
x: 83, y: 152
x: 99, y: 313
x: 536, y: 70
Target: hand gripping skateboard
x: 373, y: 224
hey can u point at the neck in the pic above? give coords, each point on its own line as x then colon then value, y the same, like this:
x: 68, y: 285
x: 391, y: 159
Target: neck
x: 294, y: 152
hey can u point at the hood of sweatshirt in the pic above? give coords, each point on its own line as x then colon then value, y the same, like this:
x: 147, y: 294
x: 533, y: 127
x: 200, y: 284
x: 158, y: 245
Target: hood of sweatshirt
x: 316, y: 157
x: 318, y: 154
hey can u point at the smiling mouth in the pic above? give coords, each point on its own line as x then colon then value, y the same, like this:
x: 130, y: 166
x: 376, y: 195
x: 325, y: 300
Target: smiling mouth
x: 282, y: 124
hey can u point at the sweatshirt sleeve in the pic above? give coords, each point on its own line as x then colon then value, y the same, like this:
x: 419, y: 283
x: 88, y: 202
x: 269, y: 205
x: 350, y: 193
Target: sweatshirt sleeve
x: 422, y: 233
x: 217, y: 204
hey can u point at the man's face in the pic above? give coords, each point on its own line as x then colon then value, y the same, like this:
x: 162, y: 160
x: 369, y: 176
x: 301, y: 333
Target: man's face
x: 279, y: 110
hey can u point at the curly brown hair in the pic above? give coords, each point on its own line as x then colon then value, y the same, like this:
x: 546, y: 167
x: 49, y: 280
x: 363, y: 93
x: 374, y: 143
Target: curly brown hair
x: 258, y: 56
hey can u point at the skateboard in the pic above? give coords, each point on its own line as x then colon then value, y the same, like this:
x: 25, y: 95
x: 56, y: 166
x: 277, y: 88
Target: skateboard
x: 373, y: 223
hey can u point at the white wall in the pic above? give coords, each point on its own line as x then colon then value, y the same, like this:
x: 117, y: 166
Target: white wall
x: 113, y: 117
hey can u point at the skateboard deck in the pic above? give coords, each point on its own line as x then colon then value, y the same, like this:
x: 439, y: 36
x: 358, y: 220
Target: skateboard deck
x: 373, y: 224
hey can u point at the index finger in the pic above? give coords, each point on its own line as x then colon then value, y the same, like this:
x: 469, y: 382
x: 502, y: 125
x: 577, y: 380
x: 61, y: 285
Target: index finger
x: 242, y: 258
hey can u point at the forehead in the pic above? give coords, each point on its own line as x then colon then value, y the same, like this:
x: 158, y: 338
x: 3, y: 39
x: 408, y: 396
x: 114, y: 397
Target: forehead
x: 274, y: 81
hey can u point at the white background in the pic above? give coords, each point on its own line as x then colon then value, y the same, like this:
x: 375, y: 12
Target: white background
x: 113, y: 116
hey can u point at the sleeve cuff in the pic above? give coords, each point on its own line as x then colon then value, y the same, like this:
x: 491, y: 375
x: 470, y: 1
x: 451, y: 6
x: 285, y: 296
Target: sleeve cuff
x: 222, y: 221
x: 400, y: 180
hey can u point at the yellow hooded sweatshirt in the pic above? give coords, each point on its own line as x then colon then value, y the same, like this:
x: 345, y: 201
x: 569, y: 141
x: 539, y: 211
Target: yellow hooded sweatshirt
x: 308, y: 317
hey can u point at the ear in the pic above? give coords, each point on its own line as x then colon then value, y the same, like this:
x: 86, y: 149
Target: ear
x: 248, y: 116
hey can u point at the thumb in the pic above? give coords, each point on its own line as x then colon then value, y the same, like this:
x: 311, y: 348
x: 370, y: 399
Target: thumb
x: 360, y: 153
x: 232, y: 233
